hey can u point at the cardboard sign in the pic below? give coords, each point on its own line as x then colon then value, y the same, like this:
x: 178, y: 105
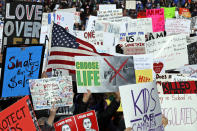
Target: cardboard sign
x: 177, y: 26
x: 169, y: 12
x: 110, y: 15
x: 105, y: 74
x: 171, y: 48
x: 82, y: 122
x: 158, y: 19
x: 192, y: 55
x: 46, y: 92
x: 175, y: 106
x: 131, y: 4
x: 103, y: 7
x: 187, y: 87
x: 19, y: 116
x: 22, y: 23
x: 155, y: 35
x: 20, y: 65
x: 141, y: 107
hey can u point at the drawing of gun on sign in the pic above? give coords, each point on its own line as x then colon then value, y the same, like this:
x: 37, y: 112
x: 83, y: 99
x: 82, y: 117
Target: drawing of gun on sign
x: 121, y: 71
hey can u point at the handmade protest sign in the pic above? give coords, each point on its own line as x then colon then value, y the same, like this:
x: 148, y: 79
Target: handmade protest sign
x: 20, y: 65
x: 155, y: 35
x: 19, y: 116
x: 190, y: 70
x: 131, y: 4
x: 158, y: 20
x: 59, y: 72
x: 103, y: 74
x: 184, y: 12
x: 141, y: 14
x: 47, y: 19
x: 22, y: 23
x: 175, y: 106
x: 169, y: 12
x: 110, y: 15
x: 141, y: 107
x: 82, y: 122
x: 192, y: 54
x: 177, y: 26
x: 171, y: 48
x: 65, y: 19
x: 186, y: 87
x: 105, y: 26
x: 46, y: 92
x: 103, y: 7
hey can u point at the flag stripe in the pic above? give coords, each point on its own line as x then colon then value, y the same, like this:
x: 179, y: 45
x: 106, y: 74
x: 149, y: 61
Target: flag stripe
x: 67, y: 54
x: 64, y: 62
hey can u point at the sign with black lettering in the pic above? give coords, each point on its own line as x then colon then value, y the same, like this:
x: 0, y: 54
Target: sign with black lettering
x: 19, y: 117
x: 20, y: 65
x: 22, y: 23
x: 185, y: 87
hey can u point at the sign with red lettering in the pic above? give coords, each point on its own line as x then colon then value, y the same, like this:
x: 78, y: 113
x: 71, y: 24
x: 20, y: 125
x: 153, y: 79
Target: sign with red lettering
x: 22, y: 23
x: 141, y: 14
x: 82, y: 122
x: 19, y: 117
x: 158, y: 19
x: 185, y: 87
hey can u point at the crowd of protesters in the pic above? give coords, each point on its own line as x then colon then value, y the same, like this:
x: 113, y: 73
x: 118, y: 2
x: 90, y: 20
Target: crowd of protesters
x: 108, y: 118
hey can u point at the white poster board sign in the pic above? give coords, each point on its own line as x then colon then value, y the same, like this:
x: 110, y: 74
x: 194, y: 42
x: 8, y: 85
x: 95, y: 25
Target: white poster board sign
x: 46, y: 92
x: 65, y: 19
x: 110, y: 15
x: 131, y: 4
x: 173, y: 49
x: 141, y: 107
x: 177, y: 26
x: 179, y: 109
x: 107, y: 7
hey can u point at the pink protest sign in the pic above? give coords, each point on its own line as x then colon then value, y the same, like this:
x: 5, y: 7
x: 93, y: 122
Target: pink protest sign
x: 158, y: 19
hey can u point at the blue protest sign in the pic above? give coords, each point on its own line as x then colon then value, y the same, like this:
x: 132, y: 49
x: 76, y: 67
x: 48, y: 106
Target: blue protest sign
x: 20, y: 65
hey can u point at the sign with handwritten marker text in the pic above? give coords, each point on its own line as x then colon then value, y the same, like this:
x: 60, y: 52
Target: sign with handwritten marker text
x: 141, y: 107
x: 20, y: 65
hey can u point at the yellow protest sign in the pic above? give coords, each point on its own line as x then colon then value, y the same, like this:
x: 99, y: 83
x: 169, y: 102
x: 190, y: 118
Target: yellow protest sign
x: 143, y: 76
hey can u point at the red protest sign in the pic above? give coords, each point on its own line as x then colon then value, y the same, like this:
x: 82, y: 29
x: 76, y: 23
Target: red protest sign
x: 67, y: 124
x: 141, y: 14
x: 87, y: 121
x: 19, y: 116
x: 81, y: 122
x: 186, y: 87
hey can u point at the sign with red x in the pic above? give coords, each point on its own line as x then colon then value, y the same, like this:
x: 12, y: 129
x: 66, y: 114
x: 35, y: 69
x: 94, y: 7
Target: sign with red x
x: 117, y: 72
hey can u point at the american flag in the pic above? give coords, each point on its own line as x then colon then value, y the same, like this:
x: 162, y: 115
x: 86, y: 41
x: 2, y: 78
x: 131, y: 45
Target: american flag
x: 65, y: 47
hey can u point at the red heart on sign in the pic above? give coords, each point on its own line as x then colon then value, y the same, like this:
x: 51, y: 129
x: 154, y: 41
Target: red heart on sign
x: 157, y: 67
